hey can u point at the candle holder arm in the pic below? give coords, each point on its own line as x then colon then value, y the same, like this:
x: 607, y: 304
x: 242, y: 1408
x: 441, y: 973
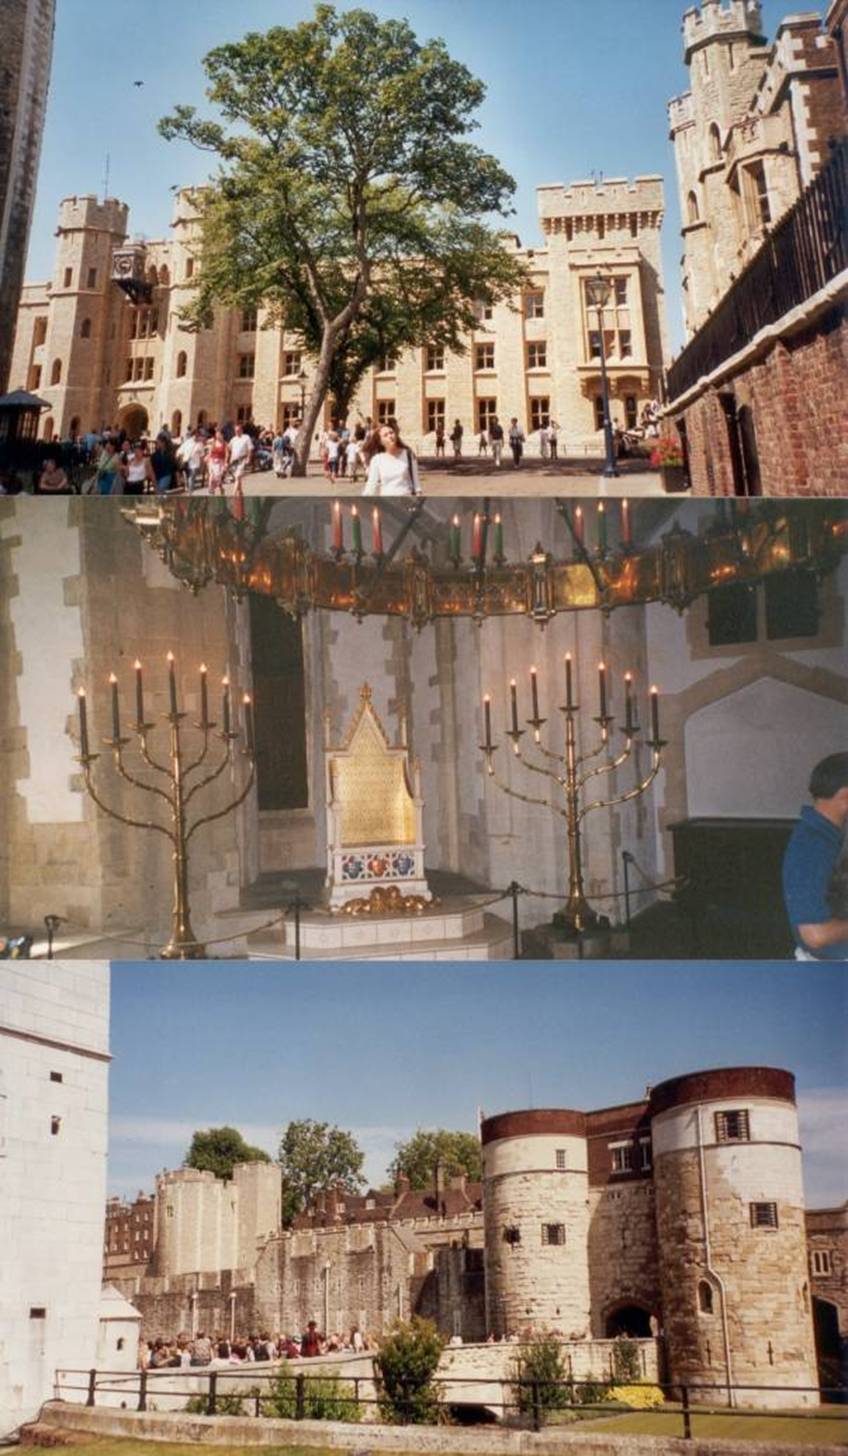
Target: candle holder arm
x: 549, y: 754
x: 201, y: 757
x: 148, y: 759
x: 207, y: 778
x: 623, y: 798
x: 234, y: 804
x: 526, y: 798
x: 536, y: 768
x: 594, y: 753
x: 139, y: 783
x: 609, y: 767
x: 122, y: 818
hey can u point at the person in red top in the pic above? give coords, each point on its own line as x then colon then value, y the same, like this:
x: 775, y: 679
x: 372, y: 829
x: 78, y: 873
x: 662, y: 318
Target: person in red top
x: 311, y: 1343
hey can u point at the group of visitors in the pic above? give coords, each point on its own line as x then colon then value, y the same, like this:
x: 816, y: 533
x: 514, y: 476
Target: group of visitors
x: 190, y: 1352
x: 110, y: 463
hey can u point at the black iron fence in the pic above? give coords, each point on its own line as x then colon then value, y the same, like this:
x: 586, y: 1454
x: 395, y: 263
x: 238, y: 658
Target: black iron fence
x: 805, y: 251
x: 516, y: 1401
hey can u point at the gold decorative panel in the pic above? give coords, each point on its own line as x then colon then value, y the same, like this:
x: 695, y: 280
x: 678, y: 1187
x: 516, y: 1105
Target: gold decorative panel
x: 369, y: 784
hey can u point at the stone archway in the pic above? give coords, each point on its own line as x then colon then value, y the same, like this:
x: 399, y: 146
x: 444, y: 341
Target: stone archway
x: 829, y: 1343
x: 134, y: 419
x: 630, y: 1319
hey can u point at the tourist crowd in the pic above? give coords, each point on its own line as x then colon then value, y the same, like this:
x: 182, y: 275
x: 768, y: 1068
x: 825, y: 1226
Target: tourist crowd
x: 189, y: 1352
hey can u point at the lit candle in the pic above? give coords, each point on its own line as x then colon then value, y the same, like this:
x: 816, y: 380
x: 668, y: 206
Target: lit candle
x: 356, y: 529
x: 602, y: 526
x: 139, y: 694
x: 338, y: 536
x: 602, y: 686
x: 499, y: 539
x: 116, y: 711
x: 628, y: 704
x: 578, y: 525
x: 83, y: 723
x: 477, y: 540
x: 655, y: 714
x: 534, y: 691
x: 487, y: 715
x: 248, y: 722
x: 626, y: 527
x: 225, y: 706
x: 569, y: 702
x: 454, y: 539
x: 204, y: 698
x: 513, y: 698
x: 377, y: 533
x: 172, y: 685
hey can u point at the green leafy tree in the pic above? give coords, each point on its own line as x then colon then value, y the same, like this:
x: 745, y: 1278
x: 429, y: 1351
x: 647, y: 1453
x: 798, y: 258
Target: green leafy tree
x: 314, y: 1158
x: 407, y: 1363
x: 542, y: 1382
x: 458, y: 1152
x: 348, y: 199
x: 218, y: 1149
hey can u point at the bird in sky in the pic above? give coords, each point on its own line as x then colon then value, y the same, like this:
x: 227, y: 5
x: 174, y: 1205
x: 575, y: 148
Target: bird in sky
x: 138, y: 83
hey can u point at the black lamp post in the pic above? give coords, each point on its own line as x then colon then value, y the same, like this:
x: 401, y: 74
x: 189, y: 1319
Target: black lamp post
x: 301, y: 379
x: 598, y: 290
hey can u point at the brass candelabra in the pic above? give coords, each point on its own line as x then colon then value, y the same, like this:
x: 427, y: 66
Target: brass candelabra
x: 576, y: 770
x: 183, y: 780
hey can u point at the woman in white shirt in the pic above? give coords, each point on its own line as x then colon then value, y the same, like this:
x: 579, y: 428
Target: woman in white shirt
x: 394, y: 469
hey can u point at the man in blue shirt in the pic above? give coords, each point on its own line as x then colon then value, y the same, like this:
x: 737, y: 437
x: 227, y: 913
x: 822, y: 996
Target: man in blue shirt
x: 820, y: 927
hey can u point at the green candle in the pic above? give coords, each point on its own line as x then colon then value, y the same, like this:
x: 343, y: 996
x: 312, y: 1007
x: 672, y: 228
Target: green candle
x: 172, y: 686
x: 116, y: 712
x: 83, y: 723
x: 225, y: 706
x: 602, y: 685
x: 454, y: 539
x: 356, y: 529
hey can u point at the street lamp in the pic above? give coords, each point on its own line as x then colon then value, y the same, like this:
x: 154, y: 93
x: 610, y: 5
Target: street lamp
x: 301, y: 379
x: 598, y: 290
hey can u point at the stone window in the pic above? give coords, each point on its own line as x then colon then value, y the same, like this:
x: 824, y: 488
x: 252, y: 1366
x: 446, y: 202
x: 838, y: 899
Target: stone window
x: 55, y: 1126
x: 757, y: 196
x: 385, y: 411
x: 435, y: 356
x: 625, y: 344
x: 85, y: 329
x: 821, y: 1263
x: 715, y: 143
x: 484, y: 356
x: 246, y: 366
x: 35, y: 377
x: 763, y: 1215
x: 705, y: 1297
x: 182, y: 364
x: 622, y: 1157
x: 56, y: 1077
x: 189, y: 268
x: 244, y: 414
x: 249, y: 320
x: 39, y: 332
x: 733, y: 1127
x: 292, y: 361
x: 540, y: 412
x: 435, y: 415
x: 561, y: 1160
x: 512, y: 1234
x: 69, y: 274
x: 176, y: 422
x: 387, y: 364
x: 620, y: 286
x: 92, y: 278
x: 483, y: 311
x: 537, y: 355
x: 56, y: 372
x: 645, y: 1159
x: 631, y: 411
x: 170, y: 1210
x: 599, y: 412
x: 553, y: 1234
x: 486, y: 412
x: 291, y: 415
x: 148, y: 369
x: 692, y: 208
x: 38, y: 1312
x: 534, y: 304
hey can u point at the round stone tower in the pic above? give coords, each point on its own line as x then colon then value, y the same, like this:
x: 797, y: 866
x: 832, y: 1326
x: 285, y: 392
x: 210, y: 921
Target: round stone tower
x: 536, y: 1222
x: 731, y: 1235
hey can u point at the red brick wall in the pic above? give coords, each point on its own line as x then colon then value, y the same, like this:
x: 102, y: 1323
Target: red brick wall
x: 797, y: 397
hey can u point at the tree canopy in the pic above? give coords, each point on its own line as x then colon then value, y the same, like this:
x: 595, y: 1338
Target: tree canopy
x: 348, y: 199
x: 218, y: 1149
x: 316, y: 1157
x: 457, y: 1152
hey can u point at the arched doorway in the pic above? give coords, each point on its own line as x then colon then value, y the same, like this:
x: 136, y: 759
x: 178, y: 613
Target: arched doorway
x: 133, y: 419
x: 632, y: 1320
x: 829, y: 1350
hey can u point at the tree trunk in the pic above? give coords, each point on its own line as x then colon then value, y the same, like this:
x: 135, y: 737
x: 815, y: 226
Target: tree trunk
x: 314, y: 405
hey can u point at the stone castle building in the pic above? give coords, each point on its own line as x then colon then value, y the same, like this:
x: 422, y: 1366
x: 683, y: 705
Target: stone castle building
x: 762, y: 172
x: 24, y: 81
x: 103, y: 344
x: 680, y: 1215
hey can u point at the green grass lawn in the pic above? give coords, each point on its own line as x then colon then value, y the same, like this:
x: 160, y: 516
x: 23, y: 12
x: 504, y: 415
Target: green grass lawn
x: 779, y: 1430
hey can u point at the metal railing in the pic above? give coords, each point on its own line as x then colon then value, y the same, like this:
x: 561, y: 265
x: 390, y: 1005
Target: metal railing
x: 524, y: 1402
x: 806, y: 249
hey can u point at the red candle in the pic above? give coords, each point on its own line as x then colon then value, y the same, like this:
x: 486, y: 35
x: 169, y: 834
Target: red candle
x: 204, y: 700
x: 655, y: 714
x: 172, y: 685
x: 602, y: 686
x: 487, y: 715
x: 248, y: 722
x: 83, y: 723
x: 626, y: 527
x: 225, y: 706
x: 513, y: 698
x: 569, y: 702
x: 139, y: 694
x: 477, y: 539
x: 578, y: 525
x: 116, y: 712
x: 534, y: 690
x: 338, y: 529
x: 377, y: 533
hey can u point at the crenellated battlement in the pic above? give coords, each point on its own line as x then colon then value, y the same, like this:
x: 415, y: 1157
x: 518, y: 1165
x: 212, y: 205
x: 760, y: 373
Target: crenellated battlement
x: 600, y: 199
x: 681, y: 111
x: 109, y: 216
x: 720, y: 19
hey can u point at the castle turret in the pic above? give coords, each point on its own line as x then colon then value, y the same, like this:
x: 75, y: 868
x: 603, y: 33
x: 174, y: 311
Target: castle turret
x: 536, y: 1216
x: 731, y: 1235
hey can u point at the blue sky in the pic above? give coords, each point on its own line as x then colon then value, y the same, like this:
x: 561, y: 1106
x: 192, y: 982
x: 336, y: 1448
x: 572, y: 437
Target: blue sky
x: 382, y: 1049
x: 574, y: 87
